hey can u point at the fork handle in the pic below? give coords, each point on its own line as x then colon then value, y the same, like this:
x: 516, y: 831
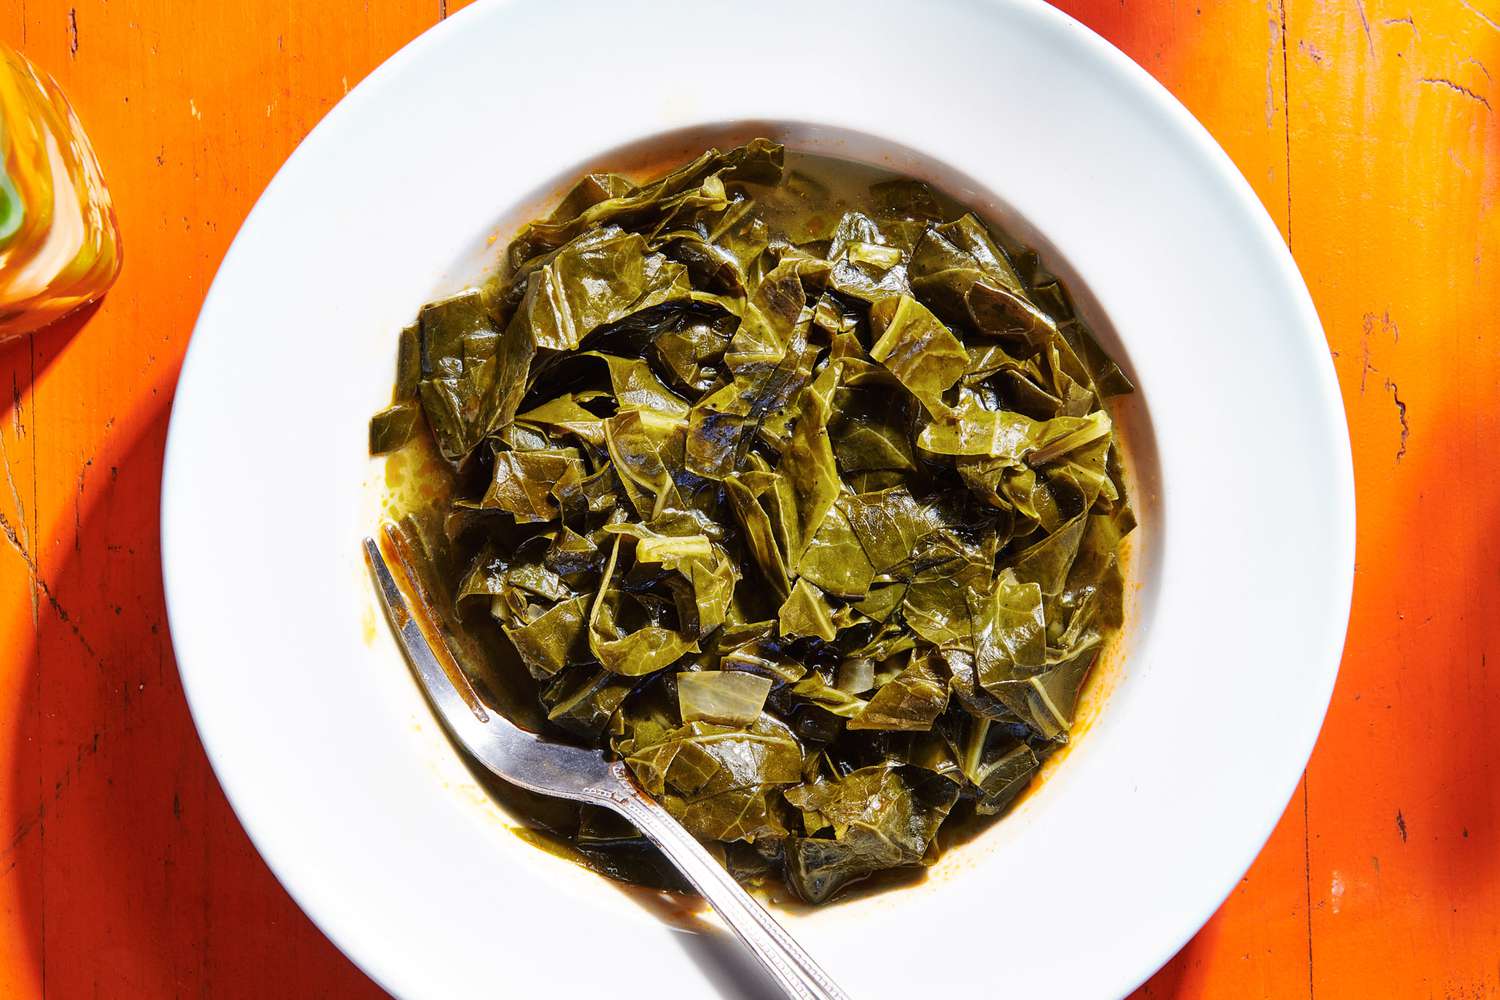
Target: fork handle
x: 793, y: 969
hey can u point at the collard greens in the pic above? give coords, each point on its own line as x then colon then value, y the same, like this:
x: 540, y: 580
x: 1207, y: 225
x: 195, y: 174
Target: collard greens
x: 802, y: 501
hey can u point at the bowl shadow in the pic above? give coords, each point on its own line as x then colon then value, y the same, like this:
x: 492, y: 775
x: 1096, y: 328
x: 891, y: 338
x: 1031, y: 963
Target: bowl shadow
x: 134, y: 875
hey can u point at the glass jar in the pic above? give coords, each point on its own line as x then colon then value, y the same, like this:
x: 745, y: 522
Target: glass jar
x: 59, y: 242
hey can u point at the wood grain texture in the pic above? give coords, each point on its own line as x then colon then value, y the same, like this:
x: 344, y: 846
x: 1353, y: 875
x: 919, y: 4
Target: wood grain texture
x: 1366, y: 127
x: 127, y: 874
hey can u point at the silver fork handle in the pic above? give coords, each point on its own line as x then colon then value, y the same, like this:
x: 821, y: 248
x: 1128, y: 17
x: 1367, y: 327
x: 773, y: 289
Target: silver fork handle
x: 792, y: 968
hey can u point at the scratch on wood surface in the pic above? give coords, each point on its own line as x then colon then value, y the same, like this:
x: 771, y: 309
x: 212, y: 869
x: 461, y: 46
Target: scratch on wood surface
x: 1286, y: 122
x: 1307, y: 882
x: 23, y: 830
x: 9, y: 530
x: 1442, y: 81
x: 16, y: 534
x: 1395, y: 392
x: 83, y: 754
x: 1401, y: 825
x: 73, y: 31
x: 12, y: 536
x: 1364, y: 23
x: 1476, y: 62
x: 67, y: 619
x: 18, y: 429
x: 1272, y: 26
x: 16, y: 423
x: 78, y: 506
x: 22, y: 541
x: 1479, y: 14
x: 1391, y: 22
x: 1387, y: 325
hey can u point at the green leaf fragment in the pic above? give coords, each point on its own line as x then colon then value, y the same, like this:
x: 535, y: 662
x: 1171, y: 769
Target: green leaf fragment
x: 918, y: 349
x: 909, y: 702
x: 878, y: 817
x: 393, y: 427
x: 806, y: 613
x: 729, y: 697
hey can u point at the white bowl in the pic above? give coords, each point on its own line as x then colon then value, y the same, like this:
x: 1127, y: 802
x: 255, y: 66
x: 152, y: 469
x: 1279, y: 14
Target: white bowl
x: 322, y: 742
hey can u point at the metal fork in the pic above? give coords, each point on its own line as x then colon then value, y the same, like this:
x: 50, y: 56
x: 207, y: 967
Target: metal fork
x: 525, y: 759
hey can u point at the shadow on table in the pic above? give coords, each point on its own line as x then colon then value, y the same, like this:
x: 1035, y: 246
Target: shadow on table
x: 131, y: 875
x: 43, y: 346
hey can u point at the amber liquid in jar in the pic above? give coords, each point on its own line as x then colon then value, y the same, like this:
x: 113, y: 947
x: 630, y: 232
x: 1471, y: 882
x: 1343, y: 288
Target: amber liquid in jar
x: 59, y: 242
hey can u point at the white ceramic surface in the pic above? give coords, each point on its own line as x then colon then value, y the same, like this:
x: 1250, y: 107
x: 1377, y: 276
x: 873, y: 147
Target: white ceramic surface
x: 321, y: 740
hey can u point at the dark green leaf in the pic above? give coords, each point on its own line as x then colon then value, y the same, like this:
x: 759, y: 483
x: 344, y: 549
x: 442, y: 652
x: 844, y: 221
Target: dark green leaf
x: 806, y: 613
x: 909, y: 702
x: 880, y: 817
x: 393, y: 427
x: 633, y: 652
x: 722, y: 782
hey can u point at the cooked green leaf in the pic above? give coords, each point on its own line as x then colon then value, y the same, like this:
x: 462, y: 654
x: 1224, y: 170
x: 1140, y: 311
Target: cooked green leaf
x: 808, y: 478
x: 729, y: 697
x: 835, y: 560
x: 910, y: 702
x: 918, y: 349
x: 556, y: 639
x: 392, y: 427
x: 600, y: 278
x: 631, y: 652
x: 998, y: 765
x: 721, y: 782
x: 1010, y: 640
x: 525, y: 483
x: 880, y: 817
x: 806, y: 612
x: 793, y: 489
x: 461, y: 360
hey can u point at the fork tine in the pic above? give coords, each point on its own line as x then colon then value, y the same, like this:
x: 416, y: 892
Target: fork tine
x: 518, y: 756
x: 460, y: 710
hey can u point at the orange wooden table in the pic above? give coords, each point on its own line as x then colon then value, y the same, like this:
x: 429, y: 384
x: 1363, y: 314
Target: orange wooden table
x: 1367, y: 127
